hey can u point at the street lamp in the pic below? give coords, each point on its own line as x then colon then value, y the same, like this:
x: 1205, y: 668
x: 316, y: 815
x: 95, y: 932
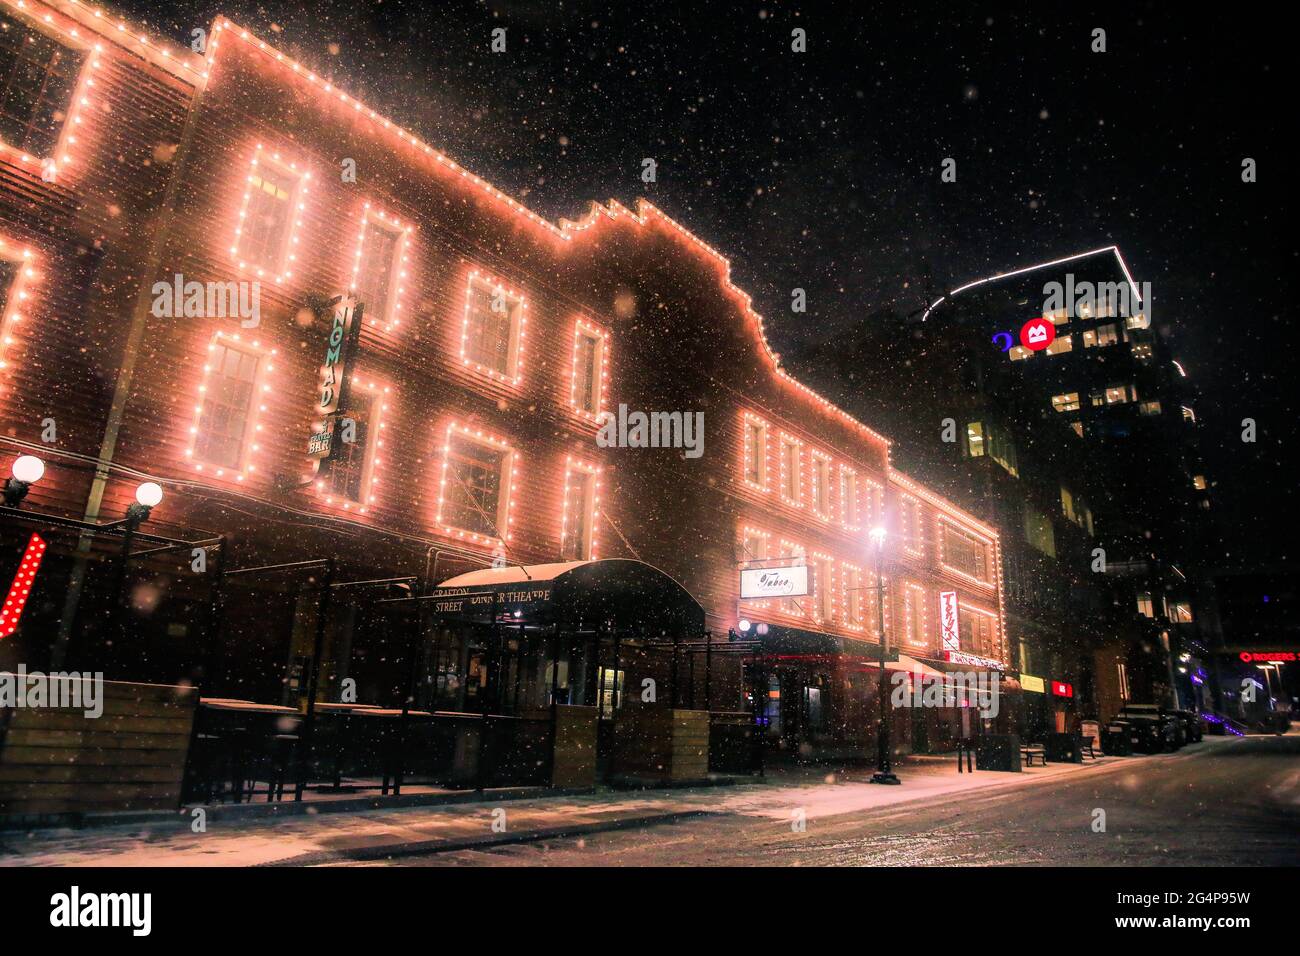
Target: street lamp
x: 26, y: 471
x: 883, y: 772
x: 147, y: 496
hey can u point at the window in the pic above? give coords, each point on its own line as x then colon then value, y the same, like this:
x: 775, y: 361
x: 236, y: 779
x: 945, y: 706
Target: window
x: 1039, y: 532
x: 1149, y: 408
x: 1062, y: 343
x: 875, y: 503
x: 821, y: 485
x: 756, y: 452
x: 1018, y: 353
x: 1002, y: 449
x: 1180, y: 612
x: 910, y: 524
x: 1067, y: 504
x: 9, y: 270
x: 376, y: 279
x: 1078, y: 428
x: 823, y: 588
x: 268, y: 216
x: 1138, y: 321
x: 348, y: 476
x: 1198, y: 482
x: 491, y: 339
x: 1101, y: 336
x: 975, y: 439
x: 476, y: 477
x: 1145, y: 607
x: 855, y: 596
x: 791, y: 462
x: 914, y: 615
x: 975, y: 630
x: 579, y: 513
x: 1121, y: 672
x: 1067, y: 402
x: 753, y: 545
x: 849, y: 505
x: 588, y: 368
x: 610, y: 682
x: 1189, y: 415
x: 1117, y: 394
x: 227, y: 404
x: 1058, y: 316
x: 964, y: 553
x: 38, y: 76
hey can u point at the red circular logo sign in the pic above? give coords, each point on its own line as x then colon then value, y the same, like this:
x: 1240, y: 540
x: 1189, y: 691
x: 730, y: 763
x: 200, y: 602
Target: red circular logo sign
x: 1037, y: 334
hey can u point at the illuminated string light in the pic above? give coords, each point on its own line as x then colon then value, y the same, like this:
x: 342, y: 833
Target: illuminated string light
x: 286, y: 255
x: 399, y: 266
x: 257, y: 408
x: 21, y: 586
x: 748, y: 534
x: 19, y: 293
x: 583, y: 329
x: 509, y: 476
x: 786, y: 440
x: 571, y: 466
x: 480, y: 282
x: 764, y: 466
x: 380, y: 395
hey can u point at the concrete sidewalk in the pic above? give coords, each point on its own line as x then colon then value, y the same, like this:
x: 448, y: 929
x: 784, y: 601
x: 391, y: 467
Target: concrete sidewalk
x: 314, y: 839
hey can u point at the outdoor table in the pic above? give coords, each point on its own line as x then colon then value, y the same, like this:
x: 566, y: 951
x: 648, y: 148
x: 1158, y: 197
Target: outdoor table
x: 238, y: 745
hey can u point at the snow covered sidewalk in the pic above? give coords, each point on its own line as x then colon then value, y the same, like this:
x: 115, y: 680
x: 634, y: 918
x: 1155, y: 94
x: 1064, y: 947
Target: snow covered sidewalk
x: 316, y: 838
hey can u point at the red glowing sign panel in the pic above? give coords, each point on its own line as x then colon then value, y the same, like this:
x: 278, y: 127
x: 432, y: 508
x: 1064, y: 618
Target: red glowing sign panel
x: 1037, y: 334
x: 16, y: 599
x: 1253, y: 657
x: 1062, y: 689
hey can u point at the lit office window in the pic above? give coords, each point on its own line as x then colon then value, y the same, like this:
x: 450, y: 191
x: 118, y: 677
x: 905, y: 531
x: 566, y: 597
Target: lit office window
x: 1066, y: 402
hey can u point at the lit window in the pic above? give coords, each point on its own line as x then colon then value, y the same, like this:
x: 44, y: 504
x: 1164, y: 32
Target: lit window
x: 38, y: 76
x: 228, y: 393
x: 975, y: 631
x: 1145, y: 607
x: 1198, y: 482
x: 376, y: 280
x: 1078, y: 428
x: 1067, y: 402
x: 975, y: 439
x: 1138, y: 321
x: 1058, y: 316
x: 1117, y: 394
x: 1067, y: 504
x: 1002, y: 449
x: 1180, y: 612
x: 914, y: 615
x: 1019, y: 353
x: 821, y: 485
x: 610, y: 682
x: 477, y: 476
x: 756, y: 451
x: 964, y: 553
x: 579, y: 514
x: 1062, y: 343
x: 1039, y: 532
x: 849, y: 506
x: 268, y: 215
x: 855, y: 596
x: 1101, y: 336
x: 493, y: 331
x: 1189, y: 415
x: 793, y: 556
x: 823, y: 584
x: 791, y: 462
x: 754, y: 545
x: 348, y: 475
x: 1121, y: 672
x: 588, y: 368
x: 1150, y: 408
x: 910, y: 524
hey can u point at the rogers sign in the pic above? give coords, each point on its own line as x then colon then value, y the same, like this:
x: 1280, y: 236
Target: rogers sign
x: 1266, y: 657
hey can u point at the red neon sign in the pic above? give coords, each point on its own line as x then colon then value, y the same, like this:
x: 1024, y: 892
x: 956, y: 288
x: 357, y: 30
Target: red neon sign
x: 1251, y: 657
x: 16, y: 599
x: 1062, y: 689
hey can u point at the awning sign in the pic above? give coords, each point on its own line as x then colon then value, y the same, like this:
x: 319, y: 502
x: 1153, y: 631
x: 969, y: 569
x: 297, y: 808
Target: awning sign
x: 948, y: 618
x: 773, y: 582
x: 973, y: 660
x: 1031, y: 683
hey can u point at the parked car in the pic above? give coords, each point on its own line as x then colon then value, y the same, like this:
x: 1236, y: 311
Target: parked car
x: 1152, y: 729
x: 1191, y: 721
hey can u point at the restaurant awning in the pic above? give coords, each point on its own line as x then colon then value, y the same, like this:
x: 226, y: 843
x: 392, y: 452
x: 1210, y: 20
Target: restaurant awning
x: 917, y: 668
x: 584, y: 595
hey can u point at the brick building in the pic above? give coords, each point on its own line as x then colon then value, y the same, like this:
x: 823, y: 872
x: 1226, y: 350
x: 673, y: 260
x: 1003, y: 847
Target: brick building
x: 175, y: 324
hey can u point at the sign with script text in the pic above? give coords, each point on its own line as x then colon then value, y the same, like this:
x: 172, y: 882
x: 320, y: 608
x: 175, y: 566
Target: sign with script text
x: 773, y: 582
x: 948, y: 618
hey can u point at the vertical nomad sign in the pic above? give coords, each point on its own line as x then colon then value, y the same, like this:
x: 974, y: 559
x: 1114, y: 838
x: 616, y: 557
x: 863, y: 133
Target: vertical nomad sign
x: 345, y: 329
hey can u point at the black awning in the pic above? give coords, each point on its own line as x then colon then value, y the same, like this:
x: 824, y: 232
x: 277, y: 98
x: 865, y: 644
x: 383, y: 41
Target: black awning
x: 585, y: 595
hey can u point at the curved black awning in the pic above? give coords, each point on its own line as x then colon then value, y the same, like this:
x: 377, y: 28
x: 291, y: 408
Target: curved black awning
x: 623, y: 594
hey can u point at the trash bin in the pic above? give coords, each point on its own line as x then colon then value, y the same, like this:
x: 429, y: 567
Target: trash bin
x: 1063, y: 748
x: 997, y: 752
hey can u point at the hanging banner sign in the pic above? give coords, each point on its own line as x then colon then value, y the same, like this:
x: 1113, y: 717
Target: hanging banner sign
x: 344, y: 332
x: 773, y: 582
x: 948, y: 618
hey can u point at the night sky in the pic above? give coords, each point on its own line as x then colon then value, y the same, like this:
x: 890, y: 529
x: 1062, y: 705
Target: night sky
x: 821, y: 170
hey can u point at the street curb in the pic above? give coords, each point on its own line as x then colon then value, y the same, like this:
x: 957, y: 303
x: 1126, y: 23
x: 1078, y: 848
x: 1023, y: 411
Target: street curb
x: 285, y: 809
x: 428, y: 847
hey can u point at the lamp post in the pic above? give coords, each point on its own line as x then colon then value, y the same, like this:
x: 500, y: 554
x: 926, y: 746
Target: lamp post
x: 884, y: 774
x: 26, y: 471
x: 147, y: 496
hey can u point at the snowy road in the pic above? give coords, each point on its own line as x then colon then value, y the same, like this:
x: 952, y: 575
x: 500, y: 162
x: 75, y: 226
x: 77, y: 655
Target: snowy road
x: 1222, y: 803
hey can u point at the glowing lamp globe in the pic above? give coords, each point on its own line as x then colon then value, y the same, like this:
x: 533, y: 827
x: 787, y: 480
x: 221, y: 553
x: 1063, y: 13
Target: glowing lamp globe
x: 149, y: 493
x: 28, y: 469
